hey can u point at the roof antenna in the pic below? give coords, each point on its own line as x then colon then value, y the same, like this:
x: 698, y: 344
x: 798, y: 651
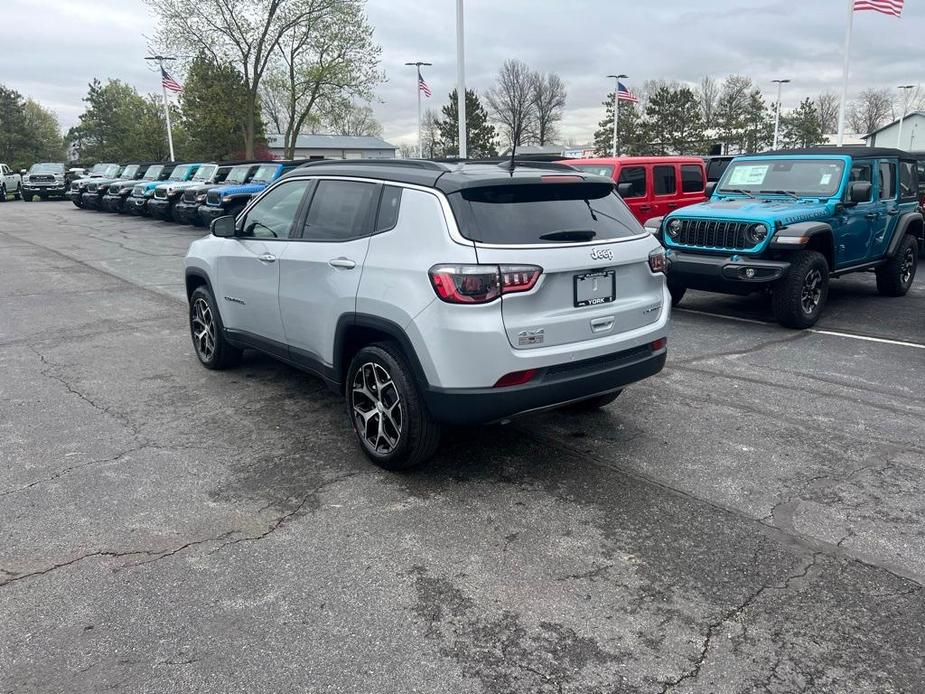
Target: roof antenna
x: 513, y: 150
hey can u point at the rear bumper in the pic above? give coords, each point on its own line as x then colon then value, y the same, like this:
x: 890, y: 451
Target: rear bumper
x: 554, y: 386
x: 728, y: 274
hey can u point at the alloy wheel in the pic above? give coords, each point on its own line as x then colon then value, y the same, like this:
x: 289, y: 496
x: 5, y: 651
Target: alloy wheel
x: 811, y: 292
x: 908, y: 265
x: 377, y: 408
x: 203, y: 327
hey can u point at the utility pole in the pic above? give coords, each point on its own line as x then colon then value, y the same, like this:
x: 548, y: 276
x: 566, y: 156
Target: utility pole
x: 904, y: 90
x: 159, y: 59
x: 777, y: 116
x: 616, y: 112
x: 461, y: 79
x: 417, y: 85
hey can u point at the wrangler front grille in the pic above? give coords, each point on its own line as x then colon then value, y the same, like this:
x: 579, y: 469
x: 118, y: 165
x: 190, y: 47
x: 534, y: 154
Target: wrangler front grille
x: 709, y: 233
x: 213, y: 197
x: 160, y: 193
x: 189, y: 195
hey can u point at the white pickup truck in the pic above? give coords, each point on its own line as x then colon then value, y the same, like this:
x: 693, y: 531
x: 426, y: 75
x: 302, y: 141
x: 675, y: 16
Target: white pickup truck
x: 10, y: 183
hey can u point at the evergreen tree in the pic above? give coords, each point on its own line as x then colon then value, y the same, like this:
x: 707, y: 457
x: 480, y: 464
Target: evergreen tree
x: 28, y: 132
x: 631, y: 138
x: 480, y: 134
x: 214, y: 101
x: 674, y: 121
x: 742, y: 117
x: 802, y: 127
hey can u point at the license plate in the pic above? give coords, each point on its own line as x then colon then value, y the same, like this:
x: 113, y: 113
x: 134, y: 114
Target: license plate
x: 593, y: 288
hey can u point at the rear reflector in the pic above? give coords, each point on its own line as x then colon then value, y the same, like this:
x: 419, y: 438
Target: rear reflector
x: 516, y: 378
x: 660, y: 344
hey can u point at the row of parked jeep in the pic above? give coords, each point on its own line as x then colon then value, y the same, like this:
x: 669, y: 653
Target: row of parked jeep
x: 185, y: 193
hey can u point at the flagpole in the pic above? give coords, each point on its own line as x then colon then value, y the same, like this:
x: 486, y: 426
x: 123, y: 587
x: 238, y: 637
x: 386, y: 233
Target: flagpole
x: 844, y: 87
x: 461, y: 80
x: 160, y: 63
x: 616, y: 112
x: 418, y: 87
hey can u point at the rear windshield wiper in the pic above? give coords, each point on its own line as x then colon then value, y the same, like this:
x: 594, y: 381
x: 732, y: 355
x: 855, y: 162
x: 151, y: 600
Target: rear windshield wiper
x: 569, y: 235
x: 737, y: 190
x: 781, y: 192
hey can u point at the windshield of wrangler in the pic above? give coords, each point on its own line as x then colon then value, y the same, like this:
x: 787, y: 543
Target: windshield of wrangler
x: 238, y: 174
x: 817, y: 178
x: 205, y: 172
x: 153, y: 172
x: 265, y: 173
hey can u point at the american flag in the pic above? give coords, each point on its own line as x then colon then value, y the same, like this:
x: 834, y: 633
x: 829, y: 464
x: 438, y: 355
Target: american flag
x: 169, y: 82
x: 891, y: 7
x: 624, y: 94
x: 422, y: 85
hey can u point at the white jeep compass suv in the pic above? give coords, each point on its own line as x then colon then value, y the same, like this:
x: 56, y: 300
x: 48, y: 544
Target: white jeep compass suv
x: 430, y: 293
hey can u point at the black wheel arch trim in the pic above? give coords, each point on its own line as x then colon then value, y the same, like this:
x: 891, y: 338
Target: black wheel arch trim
x: 902, y: 228
x: 201, y: 274
x: 388, y: 327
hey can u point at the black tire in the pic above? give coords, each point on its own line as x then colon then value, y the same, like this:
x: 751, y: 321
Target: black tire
x: 2, y: 192
x: 595, y: 403
x: 24, y: 197
x: 677, y: 292
x: 18, y: 194
x: 895, y: 277
x: 800, y: 295
x: 206, y: 329
x: 379, y: 380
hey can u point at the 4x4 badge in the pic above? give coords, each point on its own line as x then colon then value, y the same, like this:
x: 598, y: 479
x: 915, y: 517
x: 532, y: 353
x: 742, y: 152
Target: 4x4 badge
x: 601, y: 254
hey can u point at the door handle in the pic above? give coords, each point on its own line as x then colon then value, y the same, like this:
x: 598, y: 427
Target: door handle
x: 600, y: 325
x: 266, y: 258
x: 893, y: 213
x: 343, y: 263
x: 645, y: 208
x: 872, y: 215
x: 672, y: 205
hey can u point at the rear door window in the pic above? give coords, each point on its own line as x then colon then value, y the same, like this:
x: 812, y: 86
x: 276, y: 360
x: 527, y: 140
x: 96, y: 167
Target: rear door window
x: 907, y: 181
x: 543, y: 213
x: 340, y: 211
x: 663, y: 180
x: 887, y: 180
x: 636, y: 177
x: 691, y: 178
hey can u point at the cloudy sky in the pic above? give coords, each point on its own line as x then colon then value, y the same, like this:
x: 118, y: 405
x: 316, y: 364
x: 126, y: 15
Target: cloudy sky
x: 53, y: 48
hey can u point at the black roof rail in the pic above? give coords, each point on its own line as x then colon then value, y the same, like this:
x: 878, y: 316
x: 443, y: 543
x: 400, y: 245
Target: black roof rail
x: 525, y: 164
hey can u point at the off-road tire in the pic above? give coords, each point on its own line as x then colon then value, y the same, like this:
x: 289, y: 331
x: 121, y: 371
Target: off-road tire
x: 595, y: 403
x: 2, y: 192
x: 18, y: 194
x: 895, y: 277
x: 418, y: 436
x: 222, y: 355
x: 806, y: 283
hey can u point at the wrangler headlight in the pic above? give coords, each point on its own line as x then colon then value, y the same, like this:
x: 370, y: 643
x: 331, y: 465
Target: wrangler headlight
x: 673, y: 228
x: 757, y: 233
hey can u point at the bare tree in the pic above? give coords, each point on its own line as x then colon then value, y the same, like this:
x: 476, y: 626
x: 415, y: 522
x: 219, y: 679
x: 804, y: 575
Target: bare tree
x: 343, y: 117
x: 244, y: 33
x: 827, y: 105
x: 708, y: 95
x: 329, y: 56
x: 431, y: 146
x: 548, y: 104
x: 511, y: 102
x: 871, y: 109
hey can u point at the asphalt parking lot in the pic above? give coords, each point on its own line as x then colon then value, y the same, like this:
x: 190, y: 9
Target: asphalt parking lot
x: 752, y: 519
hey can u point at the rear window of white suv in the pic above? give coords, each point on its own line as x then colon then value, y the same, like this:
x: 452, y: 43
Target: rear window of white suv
x: 553, y: 213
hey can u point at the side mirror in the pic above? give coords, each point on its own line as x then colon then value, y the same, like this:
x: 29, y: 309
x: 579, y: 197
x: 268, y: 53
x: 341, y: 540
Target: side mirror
x: 625, y: 190
x: 223, y: 227
x: 23, y: 172
x: 859, y: 191
x: 708, y: 191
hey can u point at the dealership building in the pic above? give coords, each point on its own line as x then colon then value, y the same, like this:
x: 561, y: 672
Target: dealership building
x: 333, y: 147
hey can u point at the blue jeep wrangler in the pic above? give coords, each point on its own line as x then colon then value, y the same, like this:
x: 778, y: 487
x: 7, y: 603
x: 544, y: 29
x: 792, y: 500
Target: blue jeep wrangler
x: 788, y: 221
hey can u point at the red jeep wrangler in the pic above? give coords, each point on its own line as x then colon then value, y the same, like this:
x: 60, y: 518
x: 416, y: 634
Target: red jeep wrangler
x: 651, y: 186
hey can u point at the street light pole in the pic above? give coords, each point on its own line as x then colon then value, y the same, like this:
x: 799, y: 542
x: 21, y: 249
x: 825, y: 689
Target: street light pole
x: 616, y: 112
x: 904, y: 89
x: 159, y: 59
x: 777, y: 116
x: 461, y: 79
x: 417, y: 85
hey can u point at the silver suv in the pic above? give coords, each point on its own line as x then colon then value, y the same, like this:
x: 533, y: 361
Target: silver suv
x: 432, y: 294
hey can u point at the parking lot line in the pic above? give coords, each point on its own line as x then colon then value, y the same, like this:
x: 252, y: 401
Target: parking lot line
x: 817, y: 331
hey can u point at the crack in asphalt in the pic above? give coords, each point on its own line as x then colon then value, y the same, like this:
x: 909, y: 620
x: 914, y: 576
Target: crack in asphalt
x: 731, y: 614
x: 157, y: 555
x: 754, y: 349
x: 67, y: 470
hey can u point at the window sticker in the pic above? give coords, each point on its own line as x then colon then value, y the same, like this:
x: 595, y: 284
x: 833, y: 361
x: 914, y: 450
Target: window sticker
x: 748, y: 175
x: 825, y: 180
